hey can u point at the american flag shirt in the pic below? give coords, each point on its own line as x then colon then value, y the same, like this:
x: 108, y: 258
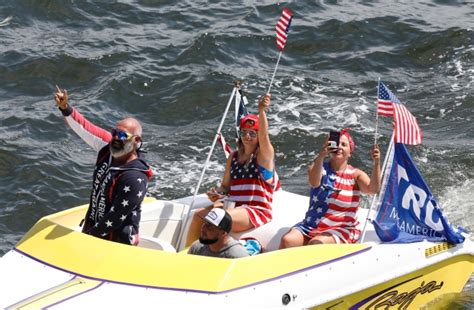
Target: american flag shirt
x: 333, y: 206
x: 250, y: 191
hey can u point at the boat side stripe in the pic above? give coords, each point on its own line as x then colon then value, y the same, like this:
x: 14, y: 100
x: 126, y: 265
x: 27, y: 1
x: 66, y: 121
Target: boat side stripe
x: 358, y: 252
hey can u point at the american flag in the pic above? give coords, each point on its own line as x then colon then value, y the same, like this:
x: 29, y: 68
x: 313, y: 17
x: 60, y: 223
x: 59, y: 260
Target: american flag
x: 240, y: 110
x: 406, y: 129
x: 282, y: 28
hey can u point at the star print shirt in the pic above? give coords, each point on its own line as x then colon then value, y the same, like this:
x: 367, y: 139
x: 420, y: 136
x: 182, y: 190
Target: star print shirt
x: 116, y: 197
x: 117, y: 192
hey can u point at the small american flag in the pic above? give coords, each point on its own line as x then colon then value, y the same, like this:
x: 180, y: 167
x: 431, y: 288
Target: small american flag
x: 282, y: 28
x: 406, y: 129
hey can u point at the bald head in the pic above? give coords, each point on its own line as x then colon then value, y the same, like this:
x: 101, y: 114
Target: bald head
x: 131, y: 125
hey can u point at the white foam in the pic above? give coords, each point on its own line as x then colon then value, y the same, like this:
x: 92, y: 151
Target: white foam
x: 183, y: 175
x: 6, y: 21
x: 456, y: 202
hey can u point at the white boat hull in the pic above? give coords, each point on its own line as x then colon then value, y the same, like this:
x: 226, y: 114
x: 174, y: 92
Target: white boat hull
x: 55, y: 266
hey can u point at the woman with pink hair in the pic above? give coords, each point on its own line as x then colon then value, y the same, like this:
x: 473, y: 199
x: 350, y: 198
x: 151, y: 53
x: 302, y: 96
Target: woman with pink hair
x: 335, y: 196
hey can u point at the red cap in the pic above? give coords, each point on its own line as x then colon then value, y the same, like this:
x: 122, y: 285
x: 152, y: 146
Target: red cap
x: 345, y: 132
x: 250, y: 121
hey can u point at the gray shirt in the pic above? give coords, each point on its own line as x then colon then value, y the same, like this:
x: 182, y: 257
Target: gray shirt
x: 233, y: 249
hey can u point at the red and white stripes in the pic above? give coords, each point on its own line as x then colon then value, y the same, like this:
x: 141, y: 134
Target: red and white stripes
x: 93, y: 135
x: 282, y: 28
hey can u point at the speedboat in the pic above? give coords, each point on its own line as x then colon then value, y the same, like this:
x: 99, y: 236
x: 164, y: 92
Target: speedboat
x: 55, y: 266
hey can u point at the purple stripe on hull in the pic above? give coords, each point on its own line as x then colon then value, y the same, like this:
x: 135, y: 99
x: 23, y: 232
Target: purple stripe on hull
x: 202, y: 291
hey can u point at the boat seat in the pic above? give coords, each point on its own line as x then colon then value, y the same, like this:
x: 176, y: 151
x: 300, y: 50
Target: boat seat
x: 286, y: 212
x: 161, y: 220
x: 268, y: 235
x: 155, y: 244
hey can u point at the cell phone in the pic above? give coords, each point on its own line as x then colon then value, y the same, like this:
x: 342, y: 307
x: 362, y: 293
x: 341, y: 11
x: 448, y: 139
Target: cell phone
x: 219, y: 192
x: 334, y: 139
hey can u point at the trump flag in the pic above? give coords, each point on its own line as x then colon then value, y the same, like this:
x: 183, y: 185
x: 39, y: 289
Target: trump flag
x: 408, y: 212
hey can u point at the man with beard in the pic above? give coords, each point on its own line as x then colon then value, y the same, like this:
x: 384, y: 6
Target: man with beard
x: 215, y: 240
x: 120, y: 178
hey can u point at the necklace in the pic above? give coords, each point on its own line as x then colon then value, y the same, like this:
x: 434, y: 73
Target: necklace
x: 247, y: 163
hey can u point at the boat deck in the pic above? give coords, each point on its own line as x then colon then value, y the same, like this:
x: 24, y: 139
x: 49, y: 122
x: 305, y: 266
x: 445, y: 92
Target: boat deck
x: 163, y: 219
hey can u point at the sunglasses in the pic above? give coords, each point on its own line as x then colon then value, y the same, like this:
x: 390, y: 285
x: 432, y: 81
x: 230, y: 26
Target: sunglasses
x: 122, y: 135
x: 252, y: 134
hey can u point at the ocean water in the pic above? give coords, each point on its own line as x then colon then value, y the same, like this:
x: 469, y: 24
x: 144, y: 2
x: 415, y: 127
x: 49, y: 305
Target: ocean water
x: 172, y: 65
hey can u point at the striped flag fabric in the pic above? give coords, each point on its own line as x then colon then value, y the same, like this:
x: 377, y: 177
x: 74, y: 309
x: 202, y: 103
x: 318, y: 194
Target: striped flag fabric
x: 225, y: 147
x: 228, y: 150
x: 386, y: 97
x: 282, y: 28
x: 406, y: 128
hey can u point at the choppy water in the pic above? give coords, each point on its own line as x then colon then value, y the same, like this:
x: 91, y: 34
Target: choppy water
x: 172, y: 65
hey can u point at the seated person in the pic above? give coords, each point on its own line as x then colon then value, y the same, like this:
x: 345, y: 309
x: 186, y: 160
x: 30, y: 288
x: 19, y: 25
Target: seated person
x: 248, y: 177
x: 215, y: 240
x: 335, y: 196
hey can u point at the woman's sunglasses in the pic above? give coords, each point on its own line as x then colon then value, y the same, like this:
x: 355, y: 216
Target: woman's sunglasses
x: 252, y: 134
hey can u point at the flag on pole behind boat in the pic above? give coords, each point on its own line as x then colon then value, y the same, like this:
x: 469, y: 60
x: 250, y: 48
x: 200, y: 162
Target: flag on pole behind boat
x: 226, y: 147
x: 406, y: 129
x: 240, y: 110
x: 408, y: 211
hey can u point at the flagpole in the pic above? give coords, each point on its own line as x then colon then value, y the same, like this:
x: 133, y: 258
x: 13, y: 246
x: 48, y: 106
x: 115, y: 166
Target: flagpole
x: 238, y: 97
x: 377, y: 112
x: 384, y: 163
x: 274, y: 72
x: 196, y: 190
x: 384, y: 166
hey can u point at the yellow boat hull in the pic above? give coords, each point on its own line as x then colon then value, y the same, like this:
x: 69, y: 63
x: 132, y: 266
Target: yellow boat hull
x: 54, y: 264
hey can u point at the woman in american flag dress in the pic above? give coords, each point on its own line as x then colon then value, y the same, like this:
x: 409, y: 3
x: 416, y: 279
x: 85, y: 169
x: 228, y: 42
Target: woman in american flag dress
x: 249, y: 178
x: 335, y: 196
